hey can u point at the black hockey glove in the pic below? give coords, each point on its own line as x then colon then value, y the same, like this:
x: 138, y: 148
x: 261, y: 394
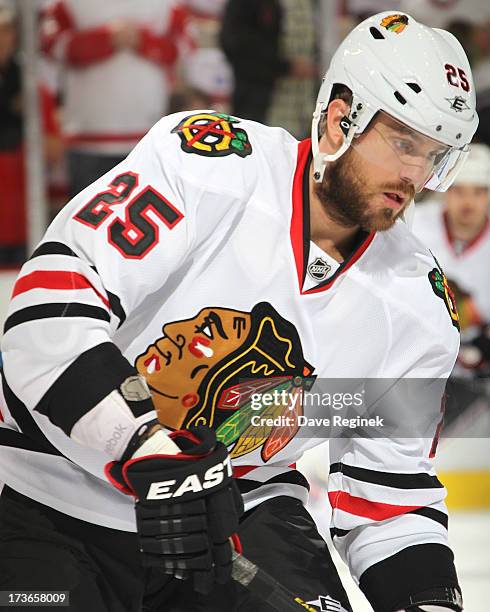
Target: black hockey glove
x: 187, y: 507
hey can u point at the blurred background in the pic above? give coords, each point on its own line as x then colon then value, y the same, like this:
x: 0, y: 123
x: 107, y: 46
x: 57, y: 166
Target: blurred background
x: 81, y: 81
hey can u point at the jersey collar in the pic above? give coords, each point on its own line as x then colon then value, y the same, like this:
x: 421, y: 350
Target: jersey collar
x: 300, y: 225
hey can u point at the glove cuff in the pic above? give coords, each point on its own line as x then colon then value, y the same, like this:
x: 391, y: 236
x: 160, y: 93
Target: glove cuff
x: 113, y: 473
x: 448, y: 598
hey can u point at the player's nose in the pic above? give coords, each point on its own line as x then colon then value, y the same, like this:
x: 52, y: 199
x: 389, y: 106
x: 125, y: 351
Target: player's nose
x: 413, y: 175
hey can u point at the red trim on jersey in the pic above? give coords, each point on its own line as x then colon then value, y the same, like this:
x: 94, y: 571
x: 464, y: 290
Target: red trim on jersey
x: 471, y: 244
x: 296, y: 230
x: 119, y: 485
x: 184, y: 433
x: 53, y: 279
x: 300, y: 234
x: 359, y: 506
x: 355, y: 257
x: 240, y: 470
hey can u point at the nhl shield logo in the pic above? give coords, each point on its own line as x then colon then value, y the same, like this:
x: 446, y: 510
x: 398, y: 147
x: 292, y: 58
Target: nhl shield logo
x: 319, y: 269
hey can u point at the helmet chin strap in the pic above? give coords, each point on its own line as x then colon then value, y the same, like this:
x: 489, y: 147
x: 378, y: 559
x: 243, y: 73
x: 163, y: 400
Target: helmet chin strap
x: 320, y: 159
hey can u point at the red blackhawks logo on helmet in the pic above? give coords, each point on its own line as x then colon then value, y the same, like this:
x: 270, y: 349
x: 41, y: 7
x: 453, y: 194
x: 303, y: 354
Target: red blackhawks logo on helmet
x: 395, y: 23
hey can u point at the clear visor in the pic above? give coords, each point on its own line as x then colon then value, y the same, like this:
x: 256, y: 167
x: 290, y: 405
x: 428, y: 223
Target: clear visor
x: 414, y: 157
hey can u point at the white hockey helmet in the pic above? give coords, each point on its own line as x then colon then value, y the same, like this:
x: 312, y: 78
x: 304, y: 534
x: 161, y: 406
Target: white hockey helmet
x: 416, y: 74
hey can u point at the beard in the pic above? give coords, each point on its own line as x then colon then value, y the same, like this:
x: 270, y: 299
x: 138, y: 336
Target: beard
x: 346, y: 198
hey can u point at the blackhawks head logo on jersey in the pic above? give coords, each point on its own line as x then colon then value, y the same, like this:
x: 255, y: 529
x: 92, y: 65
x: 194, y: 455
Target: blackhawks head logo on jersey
x: 213, y: 135
x: 205, y: 370
x: 441, y: 288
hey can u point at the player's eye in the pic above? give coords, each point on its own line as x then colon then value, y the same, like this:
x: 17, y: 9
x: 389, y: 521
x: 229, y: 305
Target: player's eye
x: 403, y: 146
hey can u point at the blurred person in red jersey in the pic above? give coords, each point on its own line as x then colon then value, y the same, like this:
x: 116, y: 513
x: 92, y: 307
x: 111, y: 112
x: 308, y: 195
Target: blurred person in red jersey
x: 118, y: 58
x: 12, y: 167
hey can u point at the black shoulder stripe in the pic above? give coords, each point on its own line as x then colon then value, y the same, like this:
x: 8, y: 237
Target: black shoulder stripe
x: 338, y: 533
x: 117, y: 309
x: 53, y: 248
x: 58, y: 248
x: 115, y: 303
x: 388, y: 479
x: 90, y: 378
x: 15, y: 439
x: 55, y: 310
x: 431, y: 513
x: 31, y: 438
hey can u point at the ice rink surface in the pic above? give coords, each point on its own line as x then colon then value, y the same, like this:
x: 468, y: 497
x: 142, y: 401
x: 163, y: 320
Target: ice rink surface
x: 469, y: 534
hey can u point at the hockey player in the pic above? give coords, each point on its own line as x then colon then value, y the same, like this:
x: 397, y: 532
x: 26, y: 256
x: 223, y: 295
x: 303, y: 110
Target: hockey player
x: 220, y: 261
x: 457, y: 231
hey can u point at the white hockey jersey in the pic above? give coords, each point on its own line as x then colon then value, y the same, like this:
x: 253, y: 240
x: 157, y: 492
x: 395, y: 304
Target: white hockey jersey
x: 467, y: 264
x: 193, y: 258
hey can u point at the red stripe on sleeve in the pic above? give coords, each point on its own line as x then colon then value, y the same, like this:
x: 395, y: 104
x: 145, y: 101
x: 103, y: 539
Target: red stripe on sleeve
x: 56, y: 20
x: 50, y: 279
x: 159, y: 49
x: 359, y: 506
x: 83, y: 46
x: 241, y: 470
x: 89, y: 46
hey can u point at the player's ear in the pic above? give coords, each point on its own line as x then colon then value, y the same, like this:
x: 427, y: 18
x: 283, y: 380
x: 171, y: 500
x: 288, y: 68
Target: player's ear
x: 333, y: 135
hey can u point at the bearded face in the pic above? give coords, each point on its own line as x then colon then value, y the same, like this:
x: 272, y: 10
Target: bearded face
x: 354, y: 194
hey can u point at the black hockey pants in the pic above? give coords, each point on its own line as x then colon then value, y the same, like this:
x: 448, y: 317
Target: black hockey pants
x: 44, y: 550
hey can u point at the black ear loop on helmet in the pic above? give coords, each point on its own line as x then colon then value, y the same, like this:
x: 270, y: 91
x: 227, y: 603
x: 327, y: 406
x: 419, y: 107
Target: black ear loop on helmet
x: 345, y: 124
